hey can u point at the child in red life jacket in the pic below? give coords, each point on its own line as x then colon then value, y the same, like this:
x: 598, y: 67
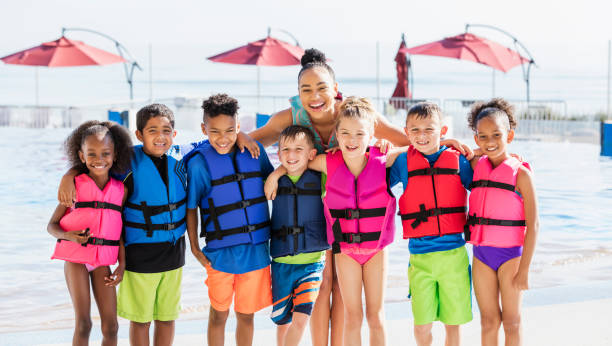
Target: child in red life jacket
x: 432, y: 210
x: 359, y: 209
x: 503, y: 220
x: 88, y: 235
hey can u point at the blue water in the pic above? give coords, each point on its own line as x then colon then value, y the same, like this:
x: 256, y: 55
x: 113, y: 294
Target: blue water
x: 574, y: 186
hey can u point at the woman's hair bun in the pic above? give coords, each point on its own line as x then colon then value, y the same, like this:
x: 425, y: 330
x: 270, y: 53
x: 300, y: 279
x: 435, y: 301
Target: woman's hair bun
x: 313, y: 55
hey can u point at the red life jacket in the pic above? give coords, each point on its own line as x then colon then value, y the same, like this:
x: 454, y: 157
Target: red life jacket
x: 434, y: 200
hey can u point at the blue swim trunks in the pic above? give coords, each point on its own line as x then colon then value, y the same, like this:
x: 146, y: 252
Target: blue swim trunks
x: 295, y: 288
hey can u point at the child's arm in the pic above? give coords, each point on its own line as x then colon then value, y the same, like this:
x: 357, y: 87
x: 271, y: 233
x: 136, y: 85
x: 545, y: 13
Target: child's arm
x: 66, y: 193
x: 269, y: 133
x: 524, y: 184
x: 271, y: 183
x: 462, y: 148
x: 194, y: 240
x: 384, y: 129
x: 115, y: 278
x: 80, y: 236
x: 393, y: 153
x: 245, y: 141
x: 319, y: 163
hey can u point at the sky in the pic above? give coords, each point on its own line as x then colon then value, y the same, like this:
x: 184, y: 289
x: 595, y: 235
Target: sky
x: 565, y: 38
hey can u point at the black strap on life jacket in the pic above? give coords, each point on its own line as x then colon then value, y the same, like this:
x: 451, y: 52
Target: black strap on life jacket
x: 475, y: 220
x: 491, y: 183
x: 218, y: 210
x: 97, y: 205
x: 433, y: 171
x: 236, y: 177
x: 292, y: 190
x: 97, y: 241
x: 423, y: 214
x: 218, y: 235
x: 148, y: 211
x: 352, y: 214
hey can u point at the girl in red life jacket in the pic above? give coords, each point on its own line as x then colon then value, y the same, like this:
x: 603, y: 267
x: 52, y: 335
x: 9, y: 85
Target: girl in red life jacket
x: 503, y: 220
x: 359, y: 210
x: 88, y: 235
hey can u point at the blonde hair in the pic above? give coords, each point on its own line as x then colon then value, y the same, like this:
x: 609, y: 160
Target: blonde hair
x: 354, y: 107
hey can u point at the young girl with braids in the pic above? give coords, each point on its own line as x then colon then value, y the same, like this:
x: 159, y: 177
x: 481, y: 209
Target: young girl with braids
x: 88, y: 234
x: 503, y: 221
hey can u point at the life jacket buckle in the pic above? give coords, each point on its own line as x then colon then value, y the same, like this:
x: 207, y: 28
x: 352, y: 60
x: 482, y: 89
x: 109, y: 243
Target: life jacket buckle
x: 244, y: 204
x: 249, y: 228
x: 172, y: 207
x: 293, y: 190
x: 354, y: 238
x: 294, y: 230
x: 352, y: 214
x: 239, y: 176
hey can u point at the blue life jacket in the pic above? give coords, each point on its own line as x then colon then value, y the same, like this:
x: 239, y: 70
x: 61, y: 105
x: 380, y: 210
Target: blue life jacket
x: 235, y: 211
x: 298, y: 223
x: 154, y: 214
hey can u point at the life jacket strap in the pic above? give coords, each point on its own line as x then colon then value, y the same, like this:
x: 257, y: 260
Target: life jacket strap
x: 157, y: 209
x: 286, y: 190
x: 97, y: 241
x: 357, y: 238
x: 475, y: 220
x: 155, y: 227
x: 433, y: 171
x: 219, y: 234
x: 285, y: 231
x: 352, y: 214
x: 235, y: 177
x: 222, y: 209
x: 491, y: 183
x: 97, y: 205
x: 423, y: 214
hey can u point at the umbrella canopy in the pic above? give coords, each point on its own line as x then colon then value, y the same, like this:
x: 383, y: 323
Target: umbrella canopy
x: 62, y: 52
x: 266, y: 52
x: 470, y: 47
x: 402, y: 67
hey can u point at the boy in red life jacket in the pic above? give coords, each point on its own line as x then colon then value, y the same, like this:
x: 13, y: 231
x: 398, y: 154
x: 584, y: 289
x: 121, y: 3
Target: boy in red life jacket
x: 432, y: 208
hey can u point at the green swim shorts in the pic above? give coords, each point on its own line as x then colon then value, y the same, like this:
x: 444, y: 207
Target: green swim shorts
x: 144, y: 297
x: 440, y: 286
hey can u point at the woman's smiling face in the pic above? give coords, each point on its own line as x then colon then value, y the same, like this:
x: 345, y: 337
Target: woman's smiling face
x: 317, y: 91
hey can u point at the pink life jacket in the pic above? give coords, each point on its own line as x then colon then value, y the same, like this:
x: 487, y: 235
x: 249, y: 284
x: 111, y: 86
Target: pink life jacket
x: 100, y: 212
x: 359, y: 211
x: 496, y: 212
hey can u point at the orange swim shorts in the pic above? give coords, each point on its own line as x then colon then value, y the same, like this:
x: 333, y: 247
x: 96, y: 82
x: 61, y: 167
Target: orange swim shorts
x: 251, y: 291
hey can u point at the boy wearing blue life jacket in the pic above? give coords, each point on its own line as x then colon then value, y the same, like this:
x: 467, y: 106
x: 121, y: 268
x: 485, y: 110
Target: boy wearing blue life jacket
x: 227, y: 186
x: 154, y: 227
x: 433, y: 212
x: 298, y: 240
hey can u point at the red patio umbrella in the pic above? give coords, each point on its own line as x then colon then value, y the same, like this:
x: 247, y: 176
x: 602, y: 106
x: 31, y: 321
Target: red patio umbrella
x: 470, y: 47
x: 265, y: 52
x: 402, y: 66
x: 64, y: 52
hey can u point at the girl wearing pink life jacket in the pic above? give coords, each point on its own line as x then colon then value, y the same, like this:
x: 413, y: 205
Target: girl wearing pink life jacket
x: 360, y: 212
x: 88, y: 235
x: 503, y: 222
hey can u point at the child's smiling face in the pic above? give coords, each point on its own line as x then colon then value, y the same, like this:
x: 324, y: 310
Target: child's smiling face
x: 98, y: 153
x: 493, y: 136
x: 425, y: 133
x: 294, y: 154
x: 222, y: 131
x: 354, y: 135
x: 156, y: 136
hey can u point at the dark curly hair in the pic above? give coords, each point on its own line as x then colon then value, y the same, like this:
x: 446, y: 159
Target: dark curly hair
x: 151, y: 111
x: 293, y: 131
x: 117, y: 133
x: 424, y: 110
x: 220, y: 104
x: 315, y: 58
x: 497, y: 107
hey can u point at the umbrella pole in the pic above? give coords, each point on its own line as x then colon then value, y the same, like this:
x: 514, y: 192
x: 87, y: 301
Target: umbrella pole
x: 378, y: 73
x: 36, y: 85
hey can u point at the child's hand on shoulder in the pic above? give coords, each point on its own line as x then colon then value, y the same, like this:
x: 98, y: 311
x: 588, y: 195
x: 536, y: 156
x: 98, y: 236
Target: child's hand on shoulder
x: 245, y: 141
x: 332, y: 150
x: 270, y: 187
x: 66, y: 193
x: 521, y: 280
x: 115, y: 278
x: 463, y: 148
x: 383, y: 145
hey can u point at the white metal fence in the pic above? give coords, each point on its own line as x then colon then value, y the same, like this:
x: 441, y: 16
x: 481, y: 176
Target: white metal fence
x: 542, y: 120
